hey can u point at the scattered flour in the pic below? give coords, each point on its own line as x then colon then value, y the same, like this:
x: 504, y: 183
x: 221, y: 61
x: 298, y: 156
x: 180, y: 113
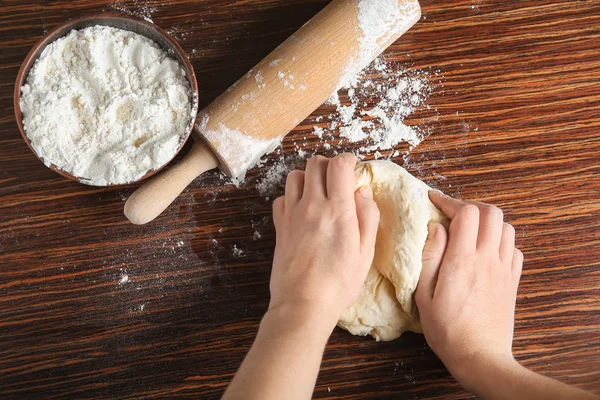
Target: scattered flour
x: 353, y: 130
x: 179, y: 33
x: 106, y: 105
x: 237, y: 252
x: 318, y: 132
x: 273, y: 179
x: 378, y: 126
x: 138, y: 9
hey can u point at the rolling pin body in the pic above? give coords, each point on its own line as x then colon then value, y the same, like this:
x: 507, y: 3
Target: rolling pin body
x: 255, y: 113
x: 252, y: 117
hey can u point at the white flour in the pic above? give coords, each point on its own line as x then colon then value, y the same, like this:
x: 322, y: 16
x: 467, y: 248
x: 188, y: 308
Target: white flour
x: 234, y: 144
x: 273, y: 179
x: 378, y: 126
x: 137, y: 8
x: 378, y: 22
x: 106, y: 105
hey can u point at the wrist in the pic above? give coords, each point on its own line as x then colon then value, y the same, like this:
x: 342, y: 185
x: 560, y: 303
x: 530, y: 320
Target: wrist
x: 310, y: 318
x: 474, y: 373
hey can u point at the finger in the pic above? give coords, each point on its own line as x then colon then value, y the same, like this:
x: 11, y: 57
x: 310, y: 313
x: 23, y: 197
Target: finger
x: 341, y: 180
x: 433, y: 253
x: 463, y: 230
x: 315, y: 177
x: 449, y: 206
x: 464, y: 227
x: 491, y: 220
x: 368, y: 219
x: 278, y: 208
x: 294, y: 187
x: 507, y: 244
x: 517, y: 267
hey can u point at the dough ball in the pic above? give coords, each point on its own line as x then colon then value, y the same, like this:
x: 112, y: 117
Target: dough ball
x: 386, y: 307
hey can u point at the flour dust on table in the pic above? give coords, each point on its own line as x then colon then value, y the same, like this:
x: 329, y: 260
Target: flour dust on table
x: 140, y: 9
x: 386, y: 308
x: 106, y: 105
x: 378, y: 127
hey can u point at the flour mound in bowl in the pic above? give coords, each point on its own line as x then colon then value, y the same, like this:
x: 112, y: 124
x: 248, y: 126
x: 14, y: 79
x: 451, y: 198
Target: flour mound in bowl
x: 106, y: 105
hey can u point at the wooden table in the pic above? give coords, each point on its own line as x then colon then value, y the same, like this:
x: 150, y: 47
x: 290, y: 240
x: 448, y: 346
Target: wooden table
x: 93, y: 307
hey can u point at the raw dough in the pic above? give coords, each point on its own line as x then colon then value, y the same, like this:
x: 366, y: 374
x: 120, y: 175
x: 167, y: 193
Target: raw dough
x: 386, y: 307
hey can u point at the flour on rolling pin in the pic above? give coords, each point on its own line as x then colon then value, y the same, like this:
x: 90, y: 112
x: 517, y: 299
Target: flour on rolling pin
x: 235, y: 143
x: 240, y: 131
x: 397, y: 18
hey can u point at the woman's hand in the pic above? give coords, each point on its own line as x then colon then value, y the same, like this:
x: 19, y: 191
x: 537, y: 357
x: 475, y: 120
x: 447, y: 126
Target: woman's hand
x: 325, y: 238
x: 468, y: 287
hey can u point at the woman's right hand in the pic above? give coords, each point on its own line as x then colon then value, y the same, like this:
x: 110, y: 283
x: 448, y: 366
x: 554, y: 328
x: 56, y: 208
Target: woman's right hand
x: 468, y: 287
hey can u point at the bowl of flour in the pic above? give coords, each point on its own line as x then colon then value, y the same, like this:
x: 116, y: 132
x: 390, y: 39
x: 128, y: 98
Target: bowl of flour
x: 106, y: 100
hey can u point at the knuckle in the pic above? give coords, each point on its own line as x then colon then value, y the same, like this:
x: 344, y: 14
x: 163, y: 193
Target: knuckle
x: 519, y: 254
x: 374, y: 210
x: 429, y: 254
x: 469, y: 210
x: 337, y: 162
x: 343, y: 210
x: 278, y: 202
x: 508, y: 228
x: 364, y: 206
x: 492, y: 212
x: 344, y: 159
x: 295, y: 175
x: 316, y: 159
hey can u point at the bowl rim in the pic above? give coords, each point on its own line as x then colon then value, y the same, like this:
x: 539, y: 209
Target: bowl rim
x: 62, y: 30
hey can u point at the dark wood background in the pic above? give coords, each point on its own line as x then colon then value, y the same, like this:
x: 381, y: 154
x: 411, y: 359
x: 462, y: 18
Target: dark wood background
x: 514, y: 120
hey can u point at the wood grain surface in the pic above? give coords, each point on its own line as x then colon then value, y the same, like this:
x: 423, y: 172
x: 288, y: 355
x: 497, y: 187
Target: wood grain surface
x: 93, y: 307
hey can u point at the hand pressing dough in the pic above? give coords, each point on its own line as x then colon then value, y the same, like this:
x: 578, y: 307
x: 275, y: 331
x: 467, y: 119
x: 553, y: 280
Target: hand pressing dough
x: 386, y: 307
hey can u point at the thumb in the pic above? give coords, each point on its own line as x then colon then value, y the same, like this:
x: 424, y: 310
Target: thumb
x: 368, y: 219
x: 433, y: 253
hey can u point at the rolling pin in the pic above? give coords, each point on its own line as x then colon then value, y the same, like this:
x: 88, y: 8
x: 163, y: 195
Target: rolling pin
x: 251, y: 118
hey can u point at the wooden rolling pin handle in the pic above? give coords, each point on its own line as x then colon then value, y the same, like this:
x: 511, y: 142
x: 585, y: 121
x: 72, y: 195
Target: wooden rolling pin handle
x: 151, y: 199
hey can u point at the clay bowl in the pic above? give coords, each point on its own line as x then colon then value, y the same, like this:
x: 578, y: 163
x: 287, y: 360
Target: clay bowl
x: 139, y: 26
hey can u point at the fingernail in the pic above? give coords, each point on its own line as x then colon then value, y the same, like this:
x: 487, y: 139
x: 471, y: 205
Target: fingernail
x: 437, y: 192
x: 366, y: 192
